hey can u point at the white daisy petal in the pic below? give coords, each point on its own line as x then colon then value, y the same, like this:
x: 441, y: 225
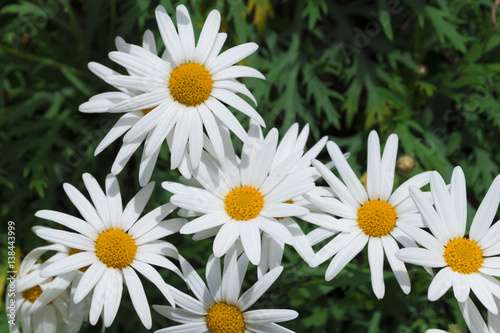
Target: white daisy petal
x: 483, y: 293
x: 113, y: 295
x: 344, y: 256
x: 421, y: 257
x: 208, y: 37
x: 205, y: 222
x: 185, y: 328
x: 69, y: 239
x: 114, y: 202
x: 186, y: 33
x: 260, y: 287
x: 401, y: 193
x: 459, y: 198
x: 275, y: 229
x: 387, y: 166
x: 376, y: 260
x: 89, y: 279
x: 138, y: 296
x: 486, y: 211
x: 231, y: 56
x: 225, y: 238
x: 179, y: 315
x: 195, y: 283
x: 269, y: 316
x: 122, y: 125
x: 444, y: 205
x: 373, y: 177
x: 69, y: 221
x: 152, y: 275
x: 213, y: 276
x: 69, y: 264
x: 397, y: 266
x: 461, y: 286
x: 440, y: 284
x: 349, y: 177
x: 136, y: 205
x: 84, y: 207
x: 169, y: 35
x: 250, y: 239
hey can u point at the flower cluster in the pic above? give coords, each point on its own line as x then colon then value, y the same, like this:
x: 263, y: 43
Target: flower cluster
x: 251, y: 204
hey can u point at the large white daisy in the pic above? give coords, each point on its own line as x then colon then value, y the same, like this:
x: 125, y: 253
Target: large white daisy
x: 103, y: 102
x: 219, y: 308
x: 115, y: 243
x: 467, y: 262
x: 374, y: 215
x: 187, y: 91
x: 242, y: 197
x: 42, y: 304
x: 474, y: 320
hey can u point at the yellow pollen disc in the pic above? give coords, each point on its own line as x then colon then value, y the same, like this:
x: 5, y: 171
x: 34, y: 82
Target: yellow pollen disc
x: 148, y: 110
x: 244, y: 203
x: 376, y: 218
x: 32, y: 294
x: 463, y: 255
x: 75, y: 251
x: 225, y: 318
x: 115, y: 248
x: 190, y: 84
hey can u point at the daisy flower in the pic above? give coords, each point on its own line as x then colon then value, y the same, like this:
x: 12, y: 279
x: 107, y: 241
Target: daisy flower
x: 42, y: 304
x: 114, y: 243
x: 374, y: 216
x: 467, y: 262
x: 474, y: 320
x: 242, y: 197
x: 218, y: 307
x: 188, y: 90
x: 103, y: 102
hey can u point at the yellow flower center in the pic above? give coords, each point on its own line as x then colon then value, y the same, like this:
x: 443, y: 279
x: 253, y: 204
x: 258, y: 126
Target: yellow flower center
x: 148, y: 110
x: 225, y: 318
x: 376, y: 218
x: 75, y: 251
x: 463, y: 255
x: 190, y: 84
x: 244, y: 203
x: 32, y: 294
x: 115, y: 248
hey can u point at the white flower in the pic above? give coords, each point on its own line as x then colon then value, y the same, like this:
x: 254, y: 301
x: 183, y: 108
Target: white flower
x: 103, y: 102
x: 188, y: 90
x: 218, y: 307
x: 42, y: 304
x: 474, y: 320
x: 374, y: 215
x: 242, y: 197
x: 467, y: 263
x: 115, y: 243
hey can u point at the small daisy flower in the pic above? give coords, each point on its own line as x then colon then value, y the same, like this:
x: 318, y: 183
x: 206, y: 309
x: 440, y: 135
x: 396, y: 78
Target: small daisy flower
x: 218, y: 308
x: 374, y: 215
x: 242, y: 197
x: 42, y: 304
x: 467, y: 262
x: 474, y: 320
x: 188, y: 91
x: 103, y: 102
x: 114, y: 243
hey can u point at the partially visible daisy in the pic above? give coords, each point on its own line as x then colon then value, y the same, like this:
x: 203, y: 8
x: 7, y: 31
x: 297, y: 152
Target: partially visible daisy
x: 242, y: 197
x: 188, y: 90
x: 103, y: 102
x: 115, y: 243
x: 219, y: 308
x: 374, y: 215
x: 467, y: 262
x: 42, y: 304
x: 474, y: 320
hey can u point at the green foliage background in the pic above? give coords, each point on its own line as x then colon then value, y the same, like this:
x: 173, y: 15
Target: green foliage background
x: 426, y: 70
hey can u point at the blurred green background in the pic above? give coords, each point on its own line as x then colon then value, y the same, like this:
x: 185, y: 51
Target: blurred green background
x: 426, y: 70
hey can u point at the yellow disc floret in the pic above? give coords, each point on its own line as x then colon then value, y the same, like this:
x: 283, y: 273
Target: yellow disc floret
x: 32, y: 294
x: 244, y: 203
x: 115, y: 248
x: 463, y: 255
x: 190, y: 84
x: 225, y: 318
x: 75, y: 251
x: 376, y: 218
